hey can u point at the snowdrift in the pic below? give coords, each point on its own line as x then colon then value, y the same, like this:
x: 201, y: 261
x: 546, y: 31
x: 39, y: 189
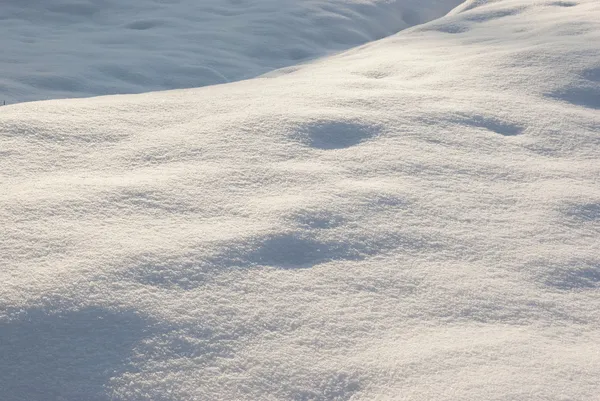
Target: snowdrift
x: 414, y: 219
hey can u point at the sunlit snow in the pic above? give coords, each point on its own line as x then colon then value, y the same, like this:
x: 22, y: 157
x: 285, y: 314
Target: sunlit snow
x: 417, y: 218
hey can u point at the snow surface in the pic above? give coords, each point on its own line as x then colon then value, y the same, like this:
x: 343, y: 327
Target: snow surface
x: 414, y: 219
x: 75, y: 48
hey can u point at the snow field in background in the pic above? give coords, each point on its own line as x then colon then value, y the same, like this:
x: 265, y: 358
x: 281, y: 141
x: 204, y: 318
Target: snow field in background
x: 66, y: 48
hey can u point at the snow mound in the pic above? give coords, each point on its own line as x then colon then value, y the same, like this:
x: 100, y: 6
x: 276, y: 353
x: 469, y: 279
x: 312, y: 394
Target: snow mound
x: 76, y: 48
x: 414, y: 219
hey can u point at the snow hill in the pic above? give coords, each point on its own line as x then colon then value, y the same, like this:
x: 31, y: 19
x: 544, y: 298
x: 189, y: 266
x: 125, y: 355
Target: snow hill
x: 414, y: 219
x: 73, y: 48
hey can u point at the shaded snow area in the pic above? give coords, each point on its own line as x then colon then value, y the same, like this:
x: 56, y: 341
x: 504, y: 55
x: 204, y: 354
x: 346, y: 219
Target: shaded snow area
x: 75, y: 48
x: 414, y: 219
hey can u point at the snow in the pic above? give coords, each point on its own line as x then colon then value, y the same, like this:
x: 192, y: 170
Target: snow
x: 77, y: 48
x: 417, y: 218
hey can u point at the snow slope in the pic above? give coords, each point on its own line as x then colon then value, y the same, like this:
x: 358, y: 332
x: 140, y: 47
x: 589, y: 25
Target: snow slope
x: 74, y: 48
x: 414, y: 219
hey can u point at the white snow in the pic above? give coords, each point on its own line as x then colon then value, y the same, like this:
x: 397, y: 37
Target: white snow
x: 414, y: 219
x: 76, y: 48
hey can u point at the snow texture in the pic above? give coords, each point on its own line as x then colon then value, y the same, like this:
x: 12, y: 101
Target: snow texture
x: 76, y: 48
x: 414, y: 219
